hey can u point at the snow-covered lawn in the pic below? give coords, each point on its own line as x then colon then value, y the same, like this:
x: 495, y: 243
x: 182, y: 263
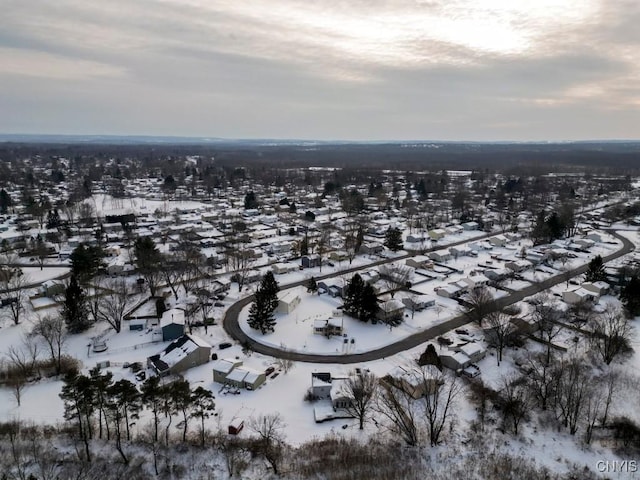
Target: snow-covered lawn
x: 294, y: 331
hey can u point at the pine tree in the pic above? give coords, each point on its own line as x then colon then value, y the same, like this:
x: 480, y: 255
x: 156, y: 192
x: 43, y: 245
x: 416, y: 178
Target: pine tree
x: 74, y: 309
x: 5, y: 201
x: 630, y: 296
x: 369, y: 303
x: 270, y: 288
x: 393, y: 239
x: 312, y: 285
x: 352, y: 298
x: 266, y: 300
x: 596, y: 272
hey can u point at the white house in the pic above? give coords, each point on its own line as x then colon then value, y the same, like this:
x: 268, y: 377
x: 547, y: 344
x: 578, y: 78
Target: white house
x: 579, y: 295
x: 498, y: 241
x: 288, y: 301
x: 437, y: 234
x: 599, y: 287
x: 443, y: 255
x: 390, y: 309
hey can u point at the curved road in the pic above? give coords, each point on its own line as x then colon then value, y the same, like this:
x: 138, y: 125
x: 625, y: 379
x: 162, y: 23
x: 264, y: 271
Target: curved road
x: 231, y: 326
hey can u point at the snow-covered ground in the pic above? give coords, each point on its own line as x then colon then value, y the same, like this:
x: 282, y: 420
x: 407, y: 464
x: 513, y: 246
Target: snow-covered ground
x: 285, y: 392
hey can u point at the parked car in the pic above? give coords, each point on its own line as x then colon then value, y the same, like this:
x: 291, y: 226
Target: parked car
x: 444, y: 341
x: 269, y: 371
x: 471, y: 371
x: 224, y: 345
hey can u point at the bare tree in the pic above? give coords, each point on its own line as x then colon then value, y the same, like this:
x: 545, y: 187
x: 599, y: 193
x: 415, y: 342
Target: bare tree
x: 546, y: 317
x: 22, y: 364
x: 611, y: 333
x: 541, y: 377
x: 51, y: 330
x: 398, y: 408
x: 235, y: 453
x: 478, y: 303
x: 499, y: 331
x: 270, y: 430
x: 395, y: 276
x: 361, y: 389
x: 241, y: 262
x: 572, y: 384
x: 13, y: 293
x: 286, y: 364
x: 611, y: 385
x: 439, y: 403
x: 593, y: 407
x: 114, y: 305
x: 515, y: 401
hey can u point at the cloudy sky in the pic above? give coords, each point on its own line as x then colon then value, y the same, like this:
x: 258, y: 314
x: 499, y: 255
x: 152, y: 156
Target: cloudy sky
x: 322, y: 69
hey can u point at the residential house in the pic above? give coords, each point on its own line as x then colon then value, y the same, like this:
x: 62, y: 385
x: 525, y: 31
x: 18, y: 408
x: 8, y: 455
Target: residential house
x: 172, y: 324
x: 454, y: 360
x: 418, y: 302
x: 183, y: 353
x: 310, y: 261
x: 599, y: 287
x: 222, y: 368
x: 415, y: 381
x: 328, y: 327
x: 390, y: 309
x: 371, y: 248
x: 282, y: 268
x: 287, y: 301
x: 519, y: 265
x: 579, y: 295
x: 321, y: 385
x: 437, y: 234
x: 470, y: 226
x: 441, y: 256
x: 498, y: 241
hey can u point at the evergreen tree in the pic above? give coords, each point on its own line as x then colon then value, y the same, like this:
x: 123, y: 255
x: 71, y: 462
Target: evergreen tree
x: 86, y: 260
x: 369, y: 303
x: 270, y: 288
x: 352, y: 299
x: 304, y: 246
x: 202, y: 405
x: 79, y: 404
x: 265, y: 302
x: 596, y: 272
x: 53, y: 219
x: 148, y: 261
x: 152, y: 399
x: 74, y: 309
x: 630, y: 296
x: 312, y: 285
x: 359, y: 238
x: 250, y: 201
x: 393, y: 239
x: 360, y: 299
x: 5, y: 201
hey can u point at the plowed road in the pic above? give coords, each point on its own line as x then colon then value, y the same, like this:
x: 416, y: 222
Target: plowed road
x: 230, y: 322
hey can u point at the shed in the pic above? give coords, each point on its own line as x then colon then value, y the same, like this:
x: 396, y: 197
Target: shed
x: 254, y: 379
x: 172, y: 324
x: 235, y: 426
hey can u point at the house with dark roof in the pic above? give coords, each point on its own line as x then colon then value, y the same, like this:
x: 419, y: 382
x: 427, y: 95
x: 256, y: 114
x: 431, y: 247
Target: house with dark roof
x: 186, y: 352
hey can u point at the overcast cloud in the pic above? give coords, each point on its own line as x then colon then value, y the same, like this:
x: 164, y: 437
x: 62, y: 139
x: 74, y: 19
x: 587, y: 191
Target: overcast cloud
x: 360, y: 69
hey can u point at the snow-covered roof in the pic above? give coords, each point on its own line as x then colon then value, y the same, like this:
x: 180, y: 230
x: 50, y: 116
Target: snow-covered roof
x: 177, y: 350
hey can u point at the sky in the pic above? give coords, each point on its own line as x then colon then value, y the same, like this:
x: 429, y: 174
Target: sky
x: 521, y: 70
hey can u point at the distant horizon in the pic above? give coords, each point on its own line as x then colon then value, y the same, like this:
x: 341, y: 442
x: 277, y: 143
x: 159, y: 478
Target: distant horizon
x: 149, y: 138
